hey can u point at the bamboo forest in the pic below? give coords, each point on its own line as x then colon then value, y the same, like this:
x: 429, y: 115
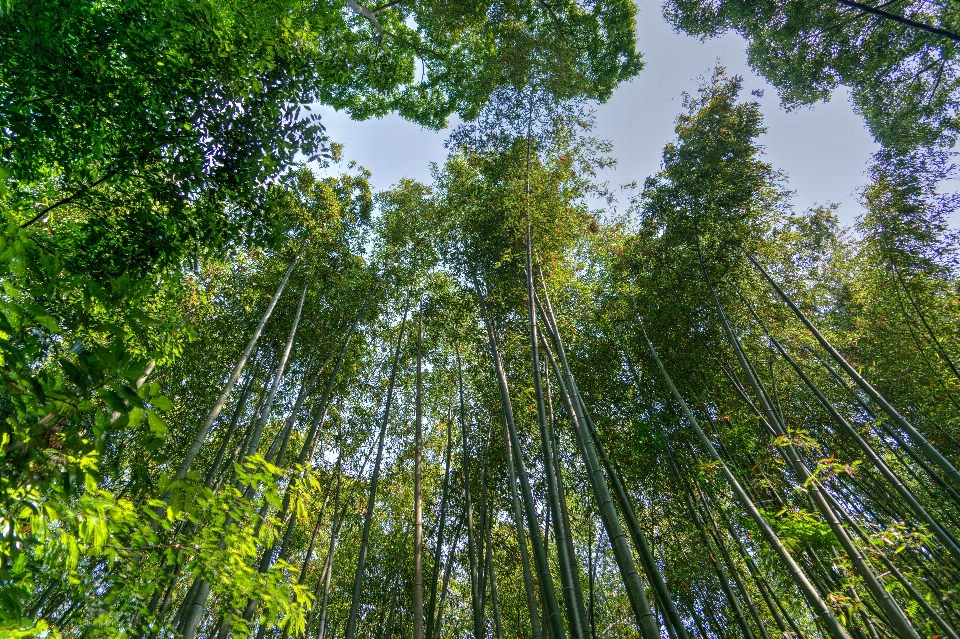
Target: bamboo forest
x: 248, y: 393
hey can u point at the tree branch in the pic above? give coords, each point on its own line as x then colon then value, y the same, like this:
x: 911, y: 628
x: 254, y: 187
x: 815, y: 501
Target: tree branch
x: 369, y: 15
x: 553, y: 15
x: 372, y: 17
x: 901, y: 20
x: 383, y: 7
x: 39, y: 216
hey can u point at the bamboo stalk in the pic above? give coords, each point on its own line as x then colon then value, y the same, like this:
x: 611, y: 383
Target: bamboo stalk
x: 351, y: 627
x: 918, y: 440
x: 231, y: 381
x: 834, y: 628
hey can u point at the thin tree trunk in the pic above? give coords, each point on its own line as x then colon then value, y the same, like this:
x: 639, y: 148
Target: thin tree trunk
x: 933, y: 336
x: 757, y: 577
x: 194, y: 611
x: 494, y: 598
x: 625, y: 504
x: 351, y: 627
x: 267, y: 558
x: 949, y: 630
x: 941, y: 533
x: 475, y: 596
x: 947, y: 539
x: 916, y: 457
x: 528, y: 586
x: 896, y: 616
x: 432, y: 606
x: 569, y: 573
x: 238, y: 451
x: 228, y: 435
x: 918, y: 440
x: 712, y: 552
x: 645, y: 618
x: 728, y: 561
x: 326, y: 573
x: 547, y: 593
x: 922, y: 352
x: 231, y: 381
x: 591, y: 568
x: 333, y: 518
x: 275, y: 385
x: 484, y: 518
x: 636, y: 532
x: 564, y: 511
x: 418, y: 492
x: 448, y: 568
x: 279, y: 448
x: 834, y: 628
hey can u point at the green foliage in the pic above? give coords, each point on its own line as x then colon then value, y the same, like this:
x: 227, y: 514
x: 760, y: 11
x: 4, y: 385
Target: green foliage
x: 903, y: 80
x: 137, y: 498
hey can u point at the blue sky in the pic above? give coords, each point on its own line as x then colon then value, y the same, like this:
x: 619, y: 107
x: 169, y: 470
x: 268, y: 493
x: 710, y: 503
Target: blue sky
x: 824, y: 150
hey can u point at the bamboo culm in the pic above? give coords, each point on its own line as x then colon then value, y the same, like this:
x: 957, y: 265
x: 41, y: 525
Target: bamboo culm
x: 515, y: 457
x: 643, y: 613
x: 818, y: 495
x: 569, y: 571
x: 447, y: 569
x: 475, y: 597
x: 933, y: 336
x: 947, y: 539
x: 232, y: 380
x: 943, y: 535
x: 418, y: 491
x: 267, y: 410
x: 351, y: 626
x: 528, y: 584
x: 267, y: 558
x: 432, y: 606
x: 711, y: 546
x: 833, y: 626
x: 915, y: 437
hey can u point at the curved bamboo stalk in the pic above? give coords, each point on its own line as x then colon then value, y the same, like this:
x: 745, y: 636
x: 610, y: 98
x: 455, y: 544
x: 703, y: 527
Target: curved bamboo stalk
x: 643, y: 613
x: 475, y: 596
x: 515, y: 457
x: 351, y: 627
x: 418, y: 490
x: 923, y: 318
x: 438, y: 550
x: 231, y: 381
x: 569, y: 572
x: 922, y: 514
x: 916, y: 438
x: 895, y: 614
x: 834, y: 628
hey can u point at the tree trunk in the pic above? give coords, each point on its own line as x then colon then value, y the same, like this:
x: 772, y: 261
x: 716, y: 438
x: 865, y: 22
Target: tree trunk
x: 351, y: 627
x: 432, y: 607
x: 231, y: 381
x: 714, y: 563
x: 896, y: 616
x: 643, y: 613
x: 448, y: 568
x: 228, y: 435
x: 944, y: 536
x: 418, y: 492
x: 475, y: 596
x: 267, y: 558
x: 491, y: 575
x: 834, y: 628
x: 569, y: 570
x: 547, y: 593
x: 915, y: 437
x: 275, y: 385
